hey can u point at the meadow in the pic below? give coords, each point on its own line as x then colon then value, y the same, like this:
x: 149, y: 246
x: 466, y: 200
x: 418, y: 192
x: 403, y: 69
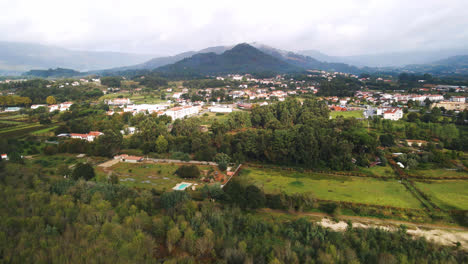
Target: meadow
x: 440, y: 172
x: 448, y: 195
x: 347, y: 114
x: 379, y: 171
x: 364, y: 190
x: 160, y: 177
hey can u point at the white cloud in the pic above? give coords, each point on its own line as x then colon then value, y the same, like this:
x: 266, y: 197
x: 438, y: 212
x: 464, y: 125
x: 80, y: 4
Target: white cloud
x: 167, y: 27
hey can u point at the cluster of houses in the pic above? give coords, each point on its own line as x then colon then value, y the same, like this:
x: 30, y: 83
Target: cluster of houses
x: 159, y: 109
x: 456, y: 103
x: 60, y: 107
x: 390, y: 113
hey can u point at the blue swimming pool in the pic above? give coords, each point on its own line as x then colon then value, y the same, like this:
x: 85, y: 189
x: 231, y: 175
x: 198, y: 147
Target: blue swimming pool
x: 182, y: 186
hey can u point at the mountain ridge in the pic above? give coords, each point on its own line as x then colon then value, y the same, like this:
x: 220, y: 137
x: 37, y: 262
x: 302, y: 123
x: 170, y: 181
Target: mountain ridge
x: 242, y: 58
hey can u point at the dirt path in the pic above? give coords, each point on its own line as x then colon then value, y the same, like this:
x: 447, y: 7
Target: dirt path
x: 109, y: 163
x: 439, y: 234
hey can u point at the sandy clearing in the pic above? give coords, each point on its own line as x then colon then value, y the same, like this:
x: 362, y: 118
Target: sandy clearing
x: 109, y: 163
x: 438, y: 236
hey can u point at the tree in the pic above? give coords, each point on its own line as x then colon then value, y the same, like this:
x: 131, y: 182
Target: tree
x: 172, y: 237
x: 387, y: 140
x: 188, y: 171
x: 161, y: 144
x: 108, y: 145
x: 173, y: 199
x: 254, y: 196
x: 412, y: 117
x: 222, y: 160
x: 50, y: 100
x: 83, y: 171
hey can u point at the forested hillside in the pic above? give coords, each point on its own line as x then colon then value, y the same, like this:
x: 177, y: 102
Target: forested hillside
x: 67, y: 221
x: 243, y: 58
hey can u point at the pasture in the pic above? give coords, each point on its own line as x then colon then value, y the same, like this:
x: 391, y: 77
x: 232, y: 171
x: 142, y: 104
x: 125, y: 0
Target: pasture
x: 448, y: 195
x: 364, y: 190
x: 440, y: 172
x: 347, y: 114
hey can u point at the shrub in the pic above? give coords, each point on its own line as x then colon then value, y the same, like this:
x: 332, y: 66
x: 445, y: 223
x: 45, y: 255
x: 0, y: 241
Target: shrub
x: 83, y: 171
x: 188, y: 171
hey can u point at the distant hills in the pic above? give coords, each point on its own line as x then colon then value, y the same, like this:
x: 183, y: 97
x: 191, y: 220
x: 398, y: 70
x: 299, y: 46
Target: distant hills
x: 455, y: 65
x: 53, y: 73
x: 293, y: 60
x: 17, y: 58
x: 390, y: 59
x: 20, y: 57
x: 242, y: 58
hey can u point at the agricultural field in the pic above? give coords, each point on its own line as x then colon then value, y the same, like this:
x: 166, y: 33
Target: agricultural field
x: 448, y: 195
x: 50, y: 162
x: 208, y: 118
x: 378, y: 171
x: 16, y: 124
x: 147, y: 175
x: 435, y: 173
x: 337, y: 188
x: 136, y: 99
x: 347, y: 114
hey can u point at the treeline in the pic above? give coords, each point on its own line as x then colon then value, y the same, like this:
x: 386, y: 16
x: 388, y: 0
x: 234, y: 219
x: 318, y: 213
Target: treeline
x: 38, y: 90
x: 339, y: 86
x: 48, y: 221
x: 13, y: 100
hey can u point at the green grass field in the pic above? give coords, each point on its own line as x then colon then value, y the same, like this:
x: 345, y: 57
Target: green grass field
x: 438, y: 173
x: 209, y: 118
x: 347, y: 114
x: 43, y: 131
x: 336, y: 188
x: 379, y: 171
x: 447, y: 195
x: 137, y: 99
x: 144, y: 175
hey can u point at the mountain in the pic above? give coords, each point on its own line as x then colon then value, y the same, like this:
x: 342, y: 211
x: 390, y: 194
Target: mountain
x: 161, y: 61
x: 306, y: 62
x: 455, y: 65
x: 242, y: 58
x: 460, y: 61
x: 291, y: 58
x: 390, y: 59
x: 54, y: 73
x: 19, y: 57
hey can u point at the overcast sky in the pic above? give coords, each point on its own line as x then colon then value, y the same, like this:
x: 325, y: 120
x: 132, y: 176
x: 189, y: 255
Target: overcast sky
x: 336, y: 27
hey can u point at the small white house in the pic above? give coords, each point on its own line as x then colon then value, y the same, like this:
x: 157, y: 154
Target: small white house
x: 393, y: 114
x: 128, y: 158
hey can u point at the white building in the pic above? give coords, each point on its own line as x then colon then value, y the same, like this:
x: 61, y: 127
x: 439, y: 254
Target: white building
x: 220, y: 109
x: 181, y: 112
x: 88, y: 137
x: 393, y: 114
x: 145, y: 108
x: 176, y: 95
x: 35, y: 106
x: 458, y: 99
